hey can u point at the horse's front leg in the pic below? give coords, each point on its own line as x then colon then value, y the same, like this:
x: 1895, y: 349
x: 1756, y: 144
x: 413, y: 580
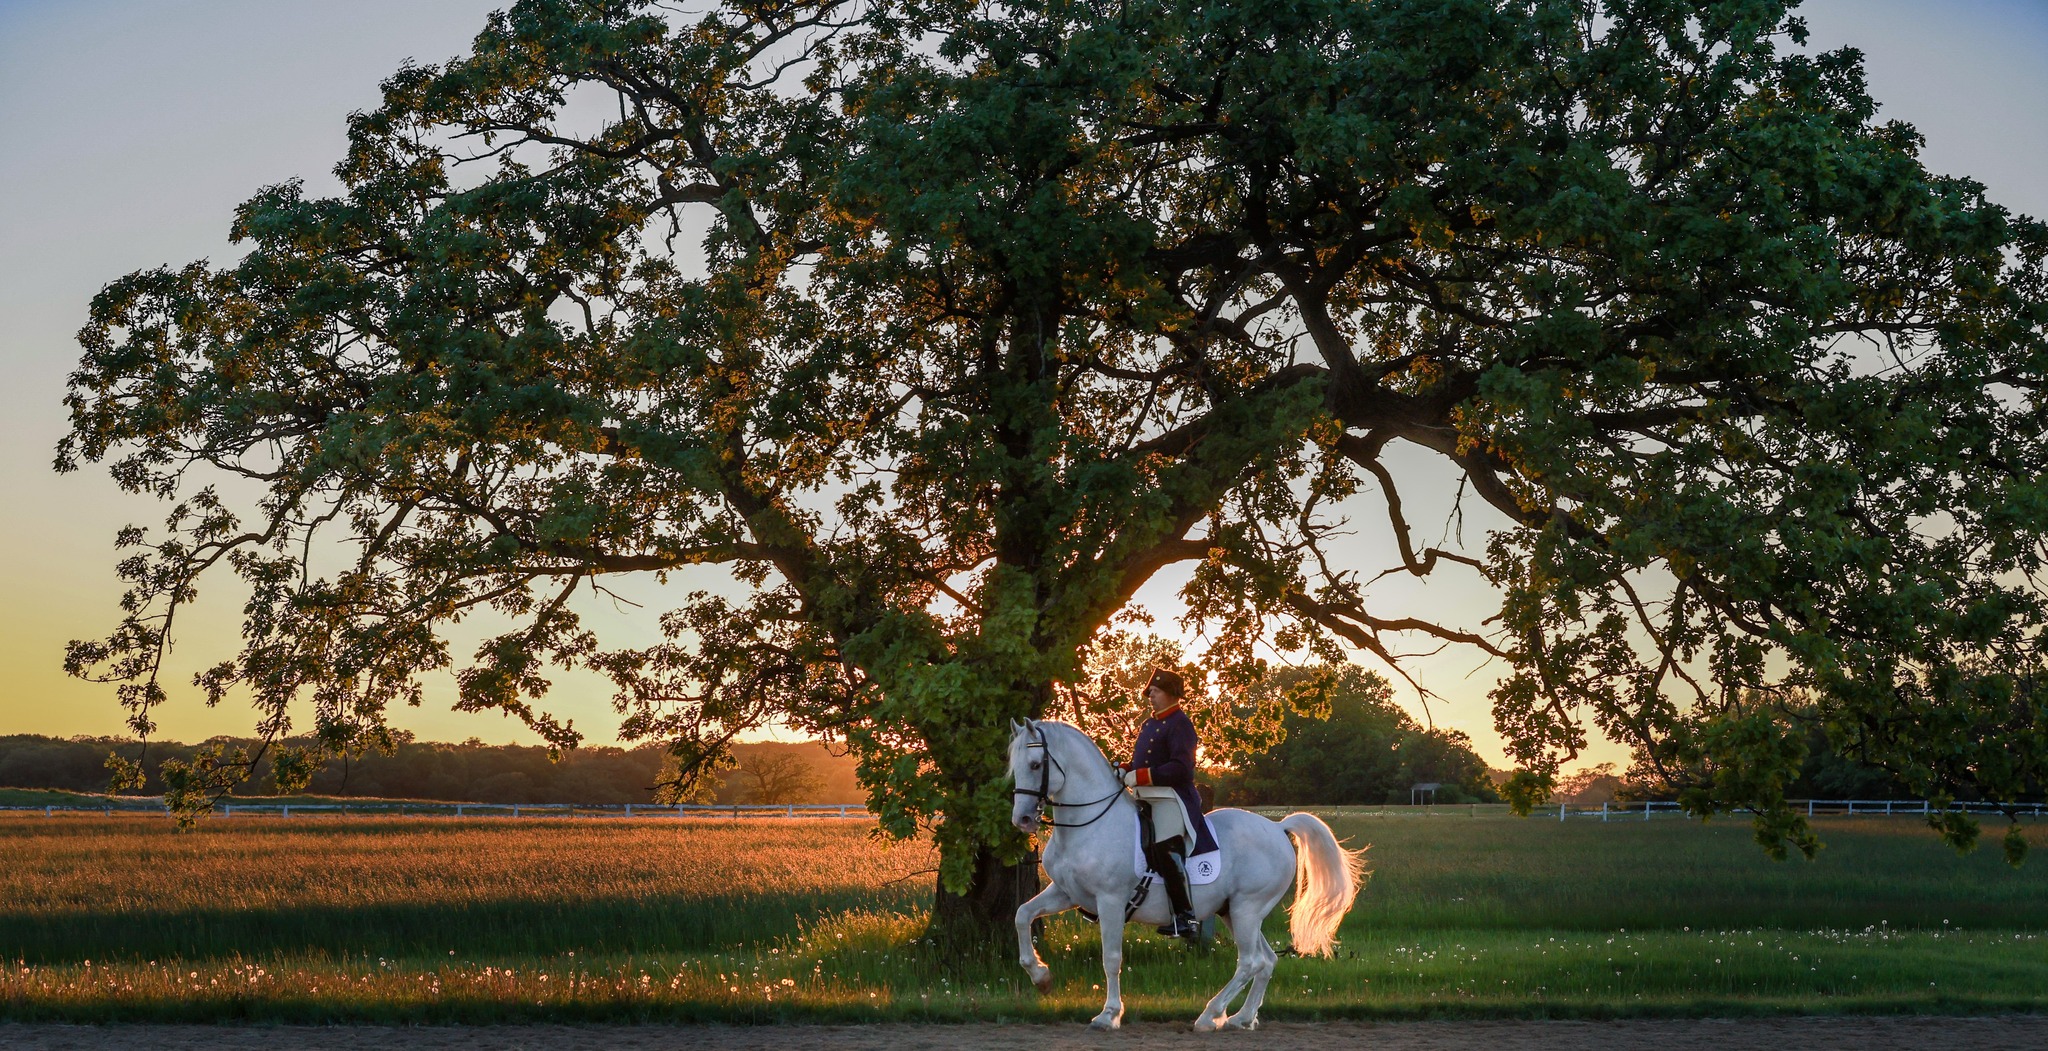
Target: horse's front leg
x: 1050, y: 900
x: 1109, y: 914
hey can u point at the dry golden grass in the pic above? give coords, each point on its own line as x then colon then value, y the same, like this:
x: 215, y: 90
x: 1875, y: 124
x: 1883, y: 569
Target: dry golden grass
x: 79, y: 887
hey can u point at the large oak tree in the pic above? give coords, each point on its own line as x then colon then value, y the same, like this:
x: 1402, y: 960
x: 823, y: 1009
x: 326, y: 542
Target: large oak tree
x: 945, y: 326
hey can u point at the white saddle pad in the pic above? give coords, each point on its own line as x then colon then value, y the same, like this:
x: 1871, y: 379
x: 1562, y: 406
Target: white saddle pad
x: 1202, y: 868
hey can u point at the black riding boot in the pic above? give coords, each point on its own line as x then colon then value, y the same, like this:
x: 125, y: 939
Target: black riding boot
x: 1172, y: 866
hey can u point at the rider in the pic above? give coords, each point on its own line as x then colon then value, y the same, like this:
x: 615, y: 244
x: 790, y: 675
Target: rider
x: 1165, y: 756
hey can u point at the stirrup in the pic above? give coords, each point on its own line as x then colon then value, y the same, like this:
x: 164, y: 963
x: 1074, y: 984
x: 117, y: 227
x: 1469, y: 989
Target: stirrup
x: 1184, y: 925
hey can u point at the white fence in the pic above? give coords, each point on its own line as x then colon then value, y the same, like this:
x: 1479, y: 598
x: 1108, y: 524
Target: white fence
x: 1644, y: 811
x: 582, y: 810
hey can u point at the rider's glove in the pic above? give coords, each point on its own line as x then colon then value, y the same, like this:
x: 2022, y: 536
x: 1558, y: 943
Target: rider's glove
x: 1131, y: 778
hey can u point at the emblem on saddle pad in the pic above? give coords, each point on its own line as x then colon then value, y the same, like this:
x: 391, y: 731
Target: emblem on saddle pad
x: 1202, y: 868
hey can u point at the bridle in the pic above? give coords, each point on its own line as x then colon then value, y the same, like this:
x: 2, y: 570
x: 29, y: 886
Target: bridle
x: 1044, y: 795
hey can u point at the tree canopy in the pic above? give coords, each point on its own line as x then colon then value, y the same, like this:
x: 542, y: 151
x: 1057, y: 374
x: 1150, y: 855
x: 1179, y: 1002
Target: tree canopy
x: 945, y: 326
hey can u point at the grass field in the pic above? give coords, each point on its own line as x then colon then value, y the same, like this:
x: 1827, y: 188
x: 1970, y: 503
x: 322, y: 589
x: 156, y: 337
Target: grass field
x: 431, y: 920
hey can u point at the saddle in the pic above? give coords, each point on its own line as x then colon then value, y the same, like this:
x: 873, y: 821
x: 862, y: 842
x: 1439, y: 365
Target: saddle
x: 1169, y: 814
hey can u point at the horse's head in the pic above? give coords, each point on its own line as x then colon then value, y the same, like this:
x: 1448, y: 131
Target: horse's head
x: 1033, y: 777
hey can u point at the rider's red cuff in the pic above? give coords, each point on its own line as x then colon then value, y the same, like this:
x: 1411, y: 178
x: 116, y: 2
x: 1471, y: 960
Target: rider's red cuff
x: 1144, y: 775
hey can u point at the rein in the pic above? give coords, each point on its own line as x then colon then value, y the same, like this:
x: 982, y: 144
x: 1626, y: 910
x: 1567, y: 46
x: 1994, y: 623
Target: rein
x: 1044, y: 795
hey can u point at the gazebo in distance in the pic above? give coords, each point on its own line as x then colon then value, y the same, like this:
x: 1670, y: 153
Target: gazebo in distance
x: 1423, y: 792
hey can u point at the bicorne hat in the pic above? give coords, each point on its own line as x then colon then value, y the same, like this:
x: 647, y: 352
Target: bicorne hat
x: 1167, y: 681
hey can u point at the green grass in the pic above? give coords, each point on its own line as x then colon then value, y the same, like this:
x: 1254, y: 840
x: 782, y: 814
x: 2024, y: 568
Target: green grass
x: 1508, y: 873
x: 481, y: 921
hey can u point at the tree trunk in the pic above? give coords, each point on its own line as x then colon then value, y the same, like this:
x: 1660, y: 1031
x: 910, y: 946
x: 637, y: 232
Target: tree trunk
x: 985, y: 918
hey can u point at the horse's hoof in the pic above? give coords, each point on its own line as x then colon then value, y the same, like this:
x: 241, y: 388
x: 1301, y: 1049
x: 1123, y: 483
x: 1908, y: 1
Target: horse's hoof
x: 1105, y: 1020
x: 1043, y: 983
x: 1235, y: 1022
x: 1205, y: 1024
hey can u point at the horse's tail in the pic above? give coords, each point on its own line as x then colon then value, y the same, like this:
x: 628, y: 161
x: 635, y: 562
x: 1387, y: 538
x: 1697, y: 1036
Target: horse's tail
x: 1327, y: 878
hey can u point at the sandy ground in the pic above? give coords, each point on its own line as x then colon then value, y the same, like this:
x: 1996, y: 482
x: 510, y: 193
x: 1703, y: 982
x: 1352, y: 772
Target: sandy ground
x: 2028, y: 1032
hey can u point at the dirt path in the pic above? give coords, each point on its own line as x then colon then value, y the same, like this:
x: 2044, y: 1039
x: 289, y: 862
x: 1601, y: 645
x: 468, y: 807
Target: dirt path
x: 2008, y: 1033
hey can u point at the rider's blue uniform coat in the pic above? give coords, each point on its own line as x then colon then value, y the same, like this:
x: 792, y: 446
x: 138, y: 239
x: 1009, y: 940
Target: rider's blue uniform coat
x: 1165, y: 756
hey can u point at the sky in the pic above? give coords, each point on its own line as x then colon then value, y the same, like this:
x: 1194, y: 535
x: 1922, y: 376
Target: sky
x: 134, y: 128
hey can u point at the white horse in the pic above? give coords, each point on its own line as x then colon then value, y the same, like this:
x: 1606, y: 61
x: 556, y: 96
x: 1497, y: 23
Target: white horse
x: 1090, y: 858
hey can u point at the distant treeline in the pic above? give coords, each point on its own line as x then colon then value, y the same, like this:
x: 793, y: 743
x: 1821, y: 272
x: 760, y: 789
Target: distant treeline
x: 467, y: 772
x: 1364, y: 750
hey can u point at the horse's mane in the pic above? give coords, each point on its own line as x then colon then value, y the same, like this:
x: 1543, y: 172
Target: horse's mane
x: 1048, y: 726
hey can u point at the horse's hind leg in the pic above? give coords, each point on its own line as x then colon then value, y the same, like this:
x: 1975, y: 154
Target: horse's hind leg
x: 1211, y: 1018
x: 1256, y: 958
x: 1050, y: 900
